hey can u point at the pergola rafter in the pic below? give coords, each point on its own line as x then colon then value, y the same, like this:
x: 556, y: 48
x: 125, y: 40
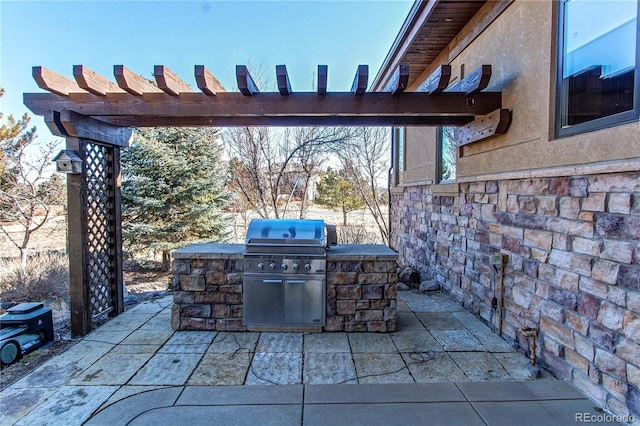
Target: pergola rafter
x: 93, y: 82
x: 282, y: 77
x: 399, y: 80
x: 437, y: 81
x: 169, y: 82
x: 132, y: 82
x: 323, y: 72
x: 207, y: 83
x: 246, y: 85
x: 54, y: 82
x: 361, y: 80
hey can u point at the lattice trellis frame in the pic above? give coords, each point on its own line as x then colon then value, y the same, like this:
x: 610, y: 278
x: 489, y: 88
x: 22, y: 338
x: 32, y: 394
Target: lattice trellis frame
x: 100, y: 240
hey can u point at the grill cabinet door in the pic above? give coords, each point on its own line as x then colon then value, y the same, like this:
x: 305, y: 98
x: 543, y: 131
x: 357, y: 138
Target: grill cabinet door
x: 263, y: 301
x: 304, y: 302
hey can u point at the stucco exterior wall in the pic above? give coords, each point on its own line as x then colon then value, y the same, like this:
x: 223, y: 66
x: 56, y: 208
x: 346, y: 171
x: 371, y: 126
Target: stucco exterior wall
x: 566, y: 211
x: 520, y: 46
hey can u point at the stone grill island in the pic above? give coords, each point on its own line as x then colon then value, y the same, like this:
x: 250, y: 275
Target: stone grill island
x: 361, y: 289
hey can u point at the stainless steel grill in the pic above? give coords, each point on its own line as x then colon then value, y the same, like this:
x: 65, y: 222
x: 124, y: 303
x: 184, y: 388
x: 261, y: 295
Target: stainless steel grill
x: 285, y: 273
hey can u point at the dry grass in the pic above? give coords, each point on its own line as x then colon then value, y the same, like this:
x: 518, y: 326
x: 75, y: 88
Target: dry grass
x: 46, y: 278
x: 357, y: 234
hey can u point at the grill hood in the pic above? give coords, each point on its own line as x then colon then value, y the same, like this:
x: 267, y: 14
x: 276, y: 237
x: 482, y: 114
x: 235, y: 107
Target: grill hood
x: 286, y: 235
x: 286, y: 231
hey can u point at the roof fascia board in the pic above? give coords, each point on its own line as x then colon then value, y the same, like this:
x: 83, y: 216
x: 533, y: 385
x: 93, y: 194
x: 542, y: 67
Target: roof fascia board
x: 467, y: 35
x: 417, y: 17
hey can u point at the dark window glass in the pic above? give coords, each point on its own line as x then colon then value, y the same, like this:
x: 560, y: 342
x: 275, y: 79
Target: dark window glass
x: 401, y: 149
x: 398, y: 152
x: 597, y: 84
x: 447, y: 153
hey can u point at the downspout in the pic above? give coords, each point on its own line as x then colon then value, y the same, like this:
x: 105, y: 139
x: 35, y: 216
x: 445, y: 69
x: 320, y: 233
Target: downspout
x: 389, y: 177
x: 498, y: 261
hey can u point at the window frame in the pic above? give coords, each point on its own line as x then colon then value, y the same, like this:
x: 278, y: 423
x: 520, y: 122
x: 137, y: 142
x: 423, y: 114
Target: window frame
x: 620, y: 118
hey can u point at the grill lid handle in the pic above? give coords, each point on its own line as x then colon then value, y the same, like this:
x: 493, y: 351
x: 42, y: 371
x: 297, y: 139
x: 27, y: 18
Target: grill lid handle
x: 332, y: 235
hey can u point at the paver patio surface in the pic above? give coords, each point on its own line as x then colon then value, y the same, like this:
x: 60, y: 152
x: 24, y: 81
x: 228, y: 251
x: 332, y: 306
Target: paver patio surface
x: 136, y: 364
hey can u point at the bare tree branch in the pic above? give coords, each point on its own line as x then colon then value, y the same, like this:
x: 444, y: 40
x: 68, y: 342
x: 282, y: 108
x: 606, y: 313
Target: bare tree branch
x: 366, y: 158
x: 268, y: 164
x: 29, y: 198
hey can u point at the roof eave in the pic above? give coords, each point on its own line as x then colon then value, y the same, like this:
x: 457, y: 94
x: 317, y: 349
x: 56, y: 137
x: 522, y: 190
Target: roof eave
x: 417, y: 16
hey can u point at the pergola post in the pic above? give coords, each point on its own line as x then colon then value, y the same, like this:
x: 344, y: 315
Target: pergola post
x: 117, y: 231
x: 94, y: 221
x: 76, y: 241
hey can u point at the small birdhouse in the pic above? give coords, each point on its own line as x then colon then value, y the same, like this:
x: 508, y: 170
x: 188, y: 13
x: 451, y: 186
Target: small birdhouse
x: 68, y: 162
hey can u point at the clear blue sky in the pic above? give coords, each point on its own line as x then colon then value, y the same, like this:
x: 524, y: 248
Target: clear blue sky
x: 181, y: 34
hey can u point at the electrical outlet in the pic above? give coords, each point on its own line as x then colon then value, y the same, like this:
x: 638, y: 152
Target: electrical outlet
x: 498, y: 259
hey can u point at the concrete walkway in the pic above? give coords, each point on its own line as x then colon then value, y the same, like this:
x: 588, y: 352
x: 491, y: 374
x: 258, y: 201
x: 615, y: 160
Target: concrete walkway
x: 441, y: 366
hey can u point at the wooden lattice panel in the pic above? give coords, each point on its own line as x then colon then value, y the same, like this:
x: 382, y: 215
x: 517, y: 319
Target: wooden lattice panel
x: 100, y: 228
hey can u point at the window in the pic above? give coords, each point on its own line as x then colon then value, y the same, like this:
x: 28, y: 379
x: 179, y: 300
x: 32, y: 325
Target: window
x: 398, y: 149
x: 597, y: 83
x: 447, y: 152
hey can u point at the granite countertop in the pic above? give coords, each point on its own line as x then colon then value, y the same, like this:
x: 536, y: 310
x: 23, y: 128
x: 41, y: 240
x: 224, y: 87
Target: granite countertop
x: 210, y: 251
x: 236, y: 251
x: 361, y: 251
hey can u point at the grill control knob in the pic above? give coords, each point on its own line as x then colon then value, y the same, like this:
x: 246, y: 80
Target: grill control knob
x: 284, y: 266
x: 272, y: 266
x: 307, y: 267
x: 260, y: 266
x: 295, y: 266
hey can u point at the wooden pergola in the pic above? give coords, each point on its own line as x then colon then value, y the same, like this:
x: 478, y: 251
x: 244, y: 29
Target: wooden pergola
x: 135, y: 102
x: 96, y: 116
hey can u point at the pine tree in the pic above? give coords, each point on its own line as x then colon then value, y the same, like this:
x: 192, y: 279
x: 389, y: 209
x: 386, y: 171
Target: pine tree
x: 15, y: 135
x: 336, y: 191
x: 173, y: 189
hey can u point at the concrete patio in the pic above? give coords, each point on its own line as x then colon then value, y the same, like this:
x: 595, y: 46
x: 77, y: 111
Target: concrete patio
x: 442, y: 365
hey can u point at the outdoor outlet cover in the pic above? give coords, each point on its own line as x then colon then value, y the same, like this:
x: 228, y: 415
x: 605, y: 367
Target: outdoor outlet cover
x: 498, y: 259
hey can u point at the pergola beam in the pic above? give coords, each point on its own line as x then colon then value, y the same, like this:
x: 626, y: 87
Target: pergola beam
x: 289, y: 121
x: 169, y: 82
x: 484, y: 127
x: 246, y: 85
x: 132, y: 82
x: 71, y: 124
x: 229, y: 109
x: 207, y: 83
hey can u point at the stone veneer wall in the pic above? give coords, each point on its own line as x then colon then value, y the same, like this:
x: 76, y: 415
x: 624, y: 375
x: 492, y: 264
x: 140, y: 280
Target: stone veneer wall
x: 361, y: 292
x: 573, y: 270
x: 361, y: 295
x: 207, y: 293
